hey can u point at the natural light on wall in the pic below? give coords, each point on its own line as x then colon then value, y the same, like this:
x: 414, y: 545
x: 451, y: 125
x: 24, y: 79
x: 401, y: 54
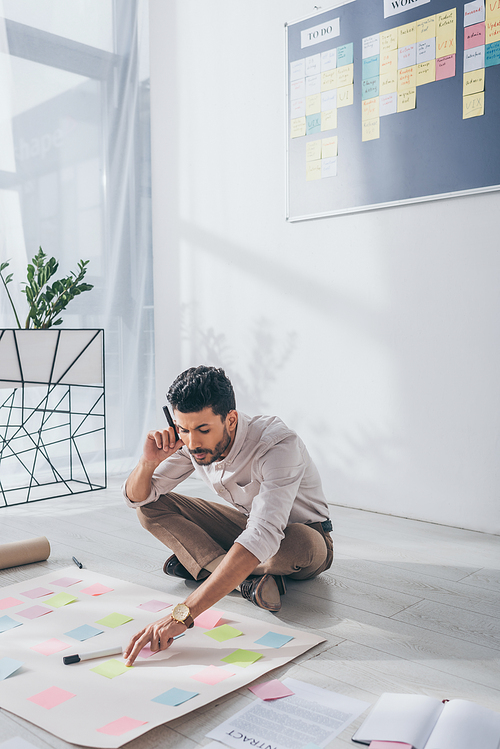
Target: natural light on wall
x: 75, y: 180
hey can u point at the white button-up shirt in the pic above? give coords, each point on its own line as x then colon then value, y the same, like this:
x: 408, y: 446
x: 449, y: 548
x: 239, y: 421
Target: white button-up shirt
x: 268, y: 475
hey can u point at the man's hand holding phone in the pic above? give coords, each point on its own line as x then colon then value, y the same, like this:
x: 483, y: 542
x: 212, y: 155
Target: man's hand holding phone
x: 161, y: 445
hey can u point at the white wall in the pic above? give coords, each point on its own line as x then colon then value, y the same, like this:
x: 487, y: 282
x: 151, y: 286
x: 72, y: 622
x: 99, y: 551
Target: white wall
x: 374, y: 335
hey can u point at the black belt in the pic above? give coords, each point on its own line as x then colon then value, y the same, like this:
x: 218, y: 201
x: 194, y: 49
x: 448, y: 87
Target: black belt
x: 327, y: 526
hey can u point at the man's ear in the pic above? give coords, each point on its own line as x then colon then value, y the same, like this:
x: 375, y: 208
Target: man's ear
x: 232, y: 421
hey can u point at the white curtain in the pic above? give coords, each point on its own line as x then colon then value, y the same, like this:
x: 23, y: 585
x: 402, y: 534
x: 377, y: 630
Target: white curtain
x: 75, y: 180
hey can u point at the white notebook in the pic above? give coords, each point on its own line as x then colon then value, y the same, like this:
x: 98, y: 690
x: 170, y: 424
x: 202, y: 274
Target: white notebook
x: 427, y: 723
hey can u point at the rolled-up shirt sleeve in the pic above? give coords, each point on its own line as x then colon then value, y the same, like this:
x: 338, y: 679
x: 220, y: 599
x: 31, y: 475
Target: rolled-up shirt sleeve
x: 281, y: 471
x: 171, y: 472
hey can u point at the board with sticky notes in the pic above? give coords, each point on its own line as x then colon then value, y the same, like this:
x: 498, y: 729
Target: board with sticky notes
x: 102, y: 702
x: 391, y: 102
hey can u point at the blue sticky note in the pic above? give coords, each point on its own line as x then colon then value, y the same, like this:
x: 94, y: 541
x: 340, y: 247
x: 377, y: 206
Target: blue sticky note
x: 345, y: 55
x: 8, y: 666
x: 85, y: 632
x: 273, y: 640
x: 313, y: 123
x: 6, y: 622
x: 369, y: 88
x: 174, y: 697
x: 371, y: 67
x: 492, y: 54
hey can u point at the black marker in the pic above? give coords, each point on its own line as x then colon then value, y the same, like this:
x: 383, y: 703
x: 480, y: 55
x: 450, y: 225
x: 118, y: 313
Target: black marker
x: 170, y: 421
x: 67, y: 659
x: 78, y: 564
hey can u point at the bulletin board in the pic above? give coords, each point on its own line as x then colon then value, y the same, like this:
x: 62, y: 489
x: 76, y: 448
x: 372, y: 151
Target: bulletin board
x: 392, y: 102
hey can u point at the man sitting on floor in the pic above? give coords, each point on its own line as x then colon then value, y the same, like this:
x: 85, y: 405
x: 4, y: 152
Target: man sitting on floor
x: 275, y: 523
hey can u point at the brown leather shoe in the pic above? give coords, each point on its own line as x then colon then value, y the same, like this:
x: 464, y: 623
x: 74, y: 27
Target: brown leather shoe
x: 264, y: 591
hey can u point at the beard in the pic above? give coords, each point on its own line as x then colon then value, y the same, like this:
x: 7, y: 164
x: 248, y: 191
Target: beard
x: 210, y: 456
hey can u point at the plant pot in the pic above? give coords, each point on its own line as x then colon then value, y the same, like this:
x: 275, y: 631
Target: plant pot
x: 52, y: 414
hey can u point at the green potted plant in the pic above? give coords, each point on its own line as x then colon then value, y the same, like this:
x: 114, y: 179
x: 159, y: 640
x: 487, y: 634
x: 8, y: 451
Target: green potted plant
x: 46, y: 302
x: 52, y: 399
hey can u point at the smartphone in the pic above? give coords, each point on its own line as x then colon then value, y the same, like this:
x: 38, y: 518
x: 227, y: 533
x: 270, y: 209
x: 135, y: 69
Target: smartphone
x: 170, y: 420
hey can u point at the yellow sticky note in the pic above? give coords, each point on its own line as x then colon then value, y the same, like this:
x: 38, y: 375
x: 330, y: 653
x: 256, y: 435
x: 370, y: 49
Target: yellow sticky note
x: 298, y: 127
x: 110, y: 669
x: 388, y: 84
x: 370, y: 108
x: 388, y: 40
x: 114, y: 620
x: 446, y: 33
x: 406, y: 100
x: 426, y: 72
x: 329, y: 80
x: 329, y: 120
x: 492, y: 9
x: 426, y: 28
x: 345, y: 96
x: 492, y: 30
x: 370, y: 129
x: 407, y: 78
x: 473, y: 105
x: 225, y: 631
x: 407, y: 34
x: 446, y: 22
x: 242, y: 658
x: 473, y: 82
x: 60, y: 599
x: 389, y: 62
x: 313, y: 150
x: 330, y: 146
x: 313, y: 170
x: 345, y: 75
x: 313, y: 104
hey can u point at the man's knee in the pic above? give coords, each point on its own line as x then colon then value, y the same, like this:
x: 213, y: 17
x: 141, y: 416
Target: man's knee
x: 157, y: 511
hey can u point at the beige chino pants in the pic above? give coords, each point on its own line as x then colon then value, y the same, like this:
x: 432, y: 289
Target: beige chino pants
x: 198, y: 531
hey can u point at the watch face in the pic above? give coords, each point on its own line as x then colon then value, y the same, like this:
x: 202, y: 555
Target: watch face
x: 180, y: 612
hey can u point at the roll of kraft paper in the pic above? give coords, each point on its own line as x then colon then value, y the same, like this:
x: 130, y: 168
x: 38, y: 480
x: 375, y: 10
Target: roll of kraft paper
x: 24, y: 552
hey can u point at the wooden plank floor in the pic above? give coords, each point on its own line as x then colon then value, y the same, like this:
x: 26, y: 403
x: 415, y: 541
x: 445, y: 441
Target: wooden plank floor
x: 406, y: 607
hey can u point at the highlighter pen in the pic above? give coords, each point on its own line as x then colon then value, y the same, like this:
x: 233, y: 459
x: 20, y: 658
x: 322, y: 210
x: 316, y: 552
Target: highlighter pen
x: 67, y: 659
x: 78, y: 564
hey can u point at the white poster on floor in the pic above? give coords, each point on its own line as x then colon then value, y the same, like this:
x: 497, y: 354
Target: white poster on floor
x: 102, y: 702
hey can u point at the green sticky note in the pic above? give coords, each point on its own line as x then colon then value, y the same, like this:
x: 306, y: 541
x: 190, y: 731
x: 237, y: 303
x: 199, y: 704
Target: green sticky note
x: 222, y: 633
x: 114, y: 620
x: 242, y: 658
x: 61, y: 599
x: 111, y: 668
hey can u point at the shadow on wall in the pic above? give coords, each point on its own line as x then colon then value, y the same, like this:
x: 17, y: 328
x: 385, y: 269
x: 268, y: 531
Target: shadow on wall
x: 268, y: 355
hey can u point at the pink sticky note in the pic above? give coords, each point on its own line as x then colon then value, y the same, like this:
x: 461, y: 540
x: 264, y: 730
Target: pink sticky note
x: 34, y: 611
x: 96, y: 590
x: 154, y: 605
x: 65, y: 582
x: 271, y: 690
x: 50, y: 646
x: 51, y: 697
x: 445, y: 67
x: 389, y: 745
x: 6, y: 603
x: 37, y: 592
x: 208, y: 619
x: 474, y: 36
x: 212, y: 675
x: 146, y: 652
x: 120, y: 726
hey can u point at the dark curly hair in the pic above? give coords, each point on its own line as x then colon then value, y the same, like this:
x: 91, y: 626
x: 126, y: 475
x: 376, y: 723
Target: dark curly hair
x: 202, y: 387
